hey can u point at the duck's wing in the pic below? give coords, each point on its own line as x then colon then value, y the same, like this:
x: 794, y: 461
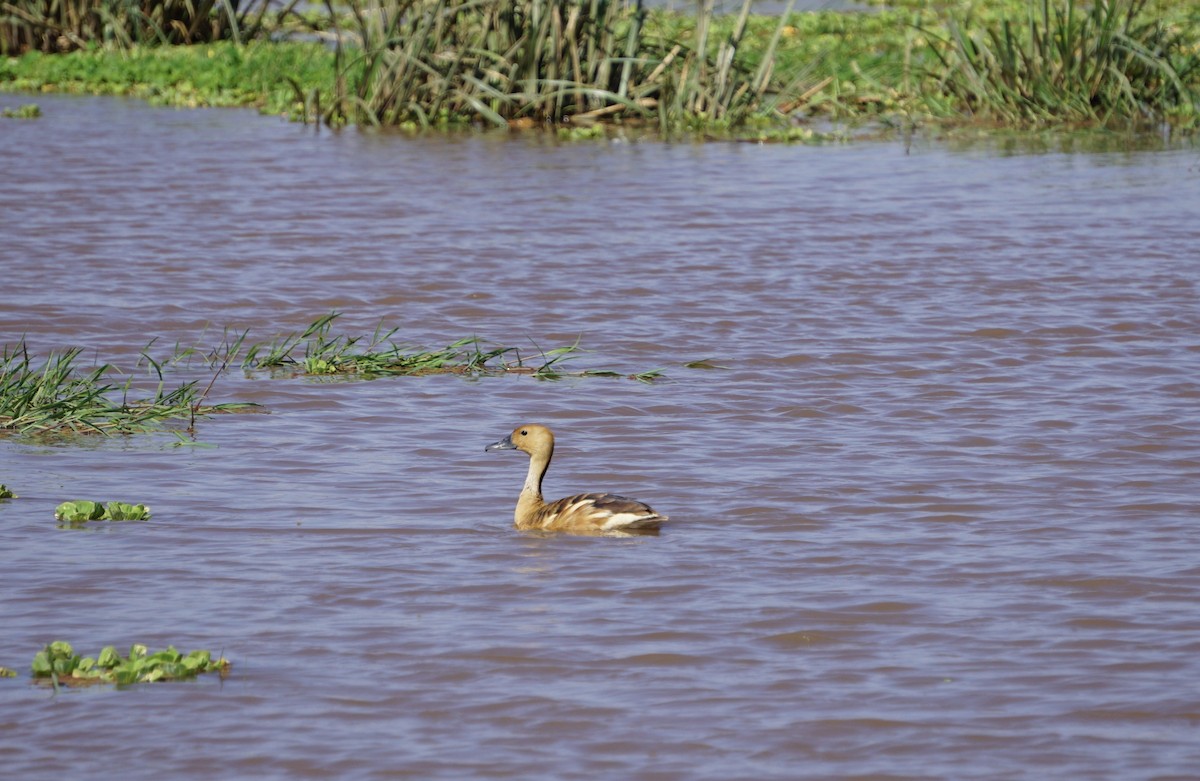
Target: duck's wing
x: 599, y: 512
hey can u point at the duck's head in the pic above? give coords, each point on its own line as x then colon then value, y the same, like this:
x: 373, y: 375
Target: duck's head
x: 531, y: 438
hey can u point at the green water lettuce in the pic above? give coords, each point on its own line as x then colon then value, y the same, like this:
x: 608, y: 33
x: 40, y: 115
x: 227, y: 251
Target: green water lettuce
x: 59, y: 663
x: 82, y: 511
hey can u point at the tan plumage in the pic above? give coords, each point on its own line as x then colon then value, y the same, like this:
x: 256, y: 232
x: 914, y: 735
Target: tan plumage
x: 588, y: 513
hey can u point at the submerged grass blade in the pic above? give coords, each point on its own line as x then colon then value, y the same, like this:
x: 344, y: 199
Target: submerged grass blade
x: 329, y: 355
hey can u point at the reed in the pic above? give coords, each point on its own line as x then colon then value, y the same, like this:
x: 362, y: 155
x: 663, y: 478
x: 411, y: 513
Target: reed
x: 437, y: 62
x: 63, y: 25
x: 1069, y: 61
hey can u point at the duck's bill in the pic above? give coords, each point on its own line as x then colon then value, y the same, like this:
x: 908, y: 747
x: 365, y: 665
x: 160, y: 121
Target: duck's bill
x: 504, y: 444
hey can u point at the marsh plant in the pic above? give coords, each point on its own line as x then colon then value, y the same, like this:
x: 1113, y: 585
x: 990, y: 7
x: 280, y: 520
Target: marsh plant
x: 1074, y: 61
x: 62, y: 25
x: 59, y: 663
x: 318, y: 351
x: 57, y: 396
x: 437, y: 62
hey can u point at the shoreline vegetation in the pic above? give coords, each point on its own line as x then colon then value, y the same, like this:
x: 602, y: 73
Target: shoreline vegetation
x: 586, y: 67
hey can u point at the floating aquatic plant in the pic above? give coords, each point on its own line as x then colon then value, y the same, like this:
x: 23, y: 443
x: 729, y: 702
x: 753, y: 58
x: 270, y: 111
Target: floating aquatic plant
x: 6, y: 493
x: 59, y: 663
x: 82, y: 511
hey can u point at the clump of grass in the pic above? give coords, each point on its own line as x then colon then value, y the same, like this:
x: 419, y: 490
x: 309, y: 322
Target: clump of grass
x: 6, y: 493
x: 59, y: 664
x: 25, y: 111
x: 57, y: 398
x: 1067, y: 61
x: 81, y: 511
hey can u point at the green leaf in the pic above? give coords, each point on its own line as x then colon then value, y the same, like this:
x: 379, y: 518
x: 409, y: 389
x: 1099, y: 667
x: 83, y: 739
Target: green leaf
x: 124, y: 676
x: 197, y: 660
x: 108, y: 658
x: 41, y: 664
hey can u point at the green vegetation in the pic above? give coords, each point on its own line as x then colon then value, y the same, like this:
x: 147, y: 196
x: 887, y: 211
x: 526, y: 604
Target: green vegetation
x: 63, y: 25
x: 57, y: 398
x: 6, y: 672
x: 81, y: 511
x: 27, y: 111
x: 318, y: 352
x: 59, y: 664
x: 437, y: 62
x: 587, y: 65
x: 256, y: 74
x: 5, y: 493
x: 1073, y: 62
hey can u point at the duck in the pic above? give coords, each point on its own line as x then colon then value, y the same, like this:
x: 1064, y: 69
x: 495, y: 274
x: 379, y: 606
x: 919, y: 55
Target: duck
x: 582, y: 513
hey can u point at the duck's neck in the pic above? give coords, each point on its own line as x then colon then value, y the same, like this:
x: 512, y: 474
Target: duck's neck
x: 538, y: 464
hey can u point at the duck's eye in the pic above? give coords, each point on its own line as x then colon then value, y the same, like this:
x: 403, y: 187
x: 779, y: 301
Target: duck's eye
x: 524, y: 433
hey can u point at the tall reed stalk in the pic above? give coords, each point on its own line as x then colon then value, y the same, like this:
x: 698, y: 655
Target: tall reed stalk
x: 429, y: 62
x: 61, y: 25
x: 1067, y: 60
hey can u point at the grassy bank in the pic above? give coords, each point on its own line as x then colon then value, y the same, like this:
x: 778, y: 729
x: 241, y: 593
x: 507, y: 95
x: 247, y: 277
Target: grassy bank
x: 414, y: 63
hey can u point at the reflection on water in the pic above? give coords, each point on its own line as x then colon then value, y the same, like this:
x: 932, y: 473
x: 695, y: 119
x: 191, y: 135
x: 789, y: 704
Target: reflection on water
x: 934, y: 519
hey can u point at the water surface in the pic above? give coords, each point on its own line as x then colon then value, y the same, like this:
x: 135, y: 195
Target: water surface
x: 936, y: 517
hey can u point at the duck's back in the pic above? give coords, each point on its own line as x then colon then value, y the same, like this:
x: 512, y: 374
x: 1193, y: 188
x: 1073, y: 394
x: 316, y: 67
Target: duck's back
x: 594, y: 512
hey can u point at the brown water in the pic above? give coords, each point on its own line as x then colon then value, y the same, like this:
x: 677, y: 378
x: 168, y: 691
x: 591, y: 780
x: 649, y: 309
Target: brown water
x: 939, y: 517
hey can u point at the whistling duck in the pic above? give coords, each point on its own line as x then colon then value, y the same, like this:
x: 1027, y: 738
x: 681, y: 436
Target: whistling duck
x: 579, y: 513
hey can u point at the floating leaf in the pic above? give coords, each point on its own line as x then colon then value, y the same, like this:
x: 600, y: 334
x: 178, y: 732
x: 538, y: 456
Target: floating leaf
x: 108, y: 657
